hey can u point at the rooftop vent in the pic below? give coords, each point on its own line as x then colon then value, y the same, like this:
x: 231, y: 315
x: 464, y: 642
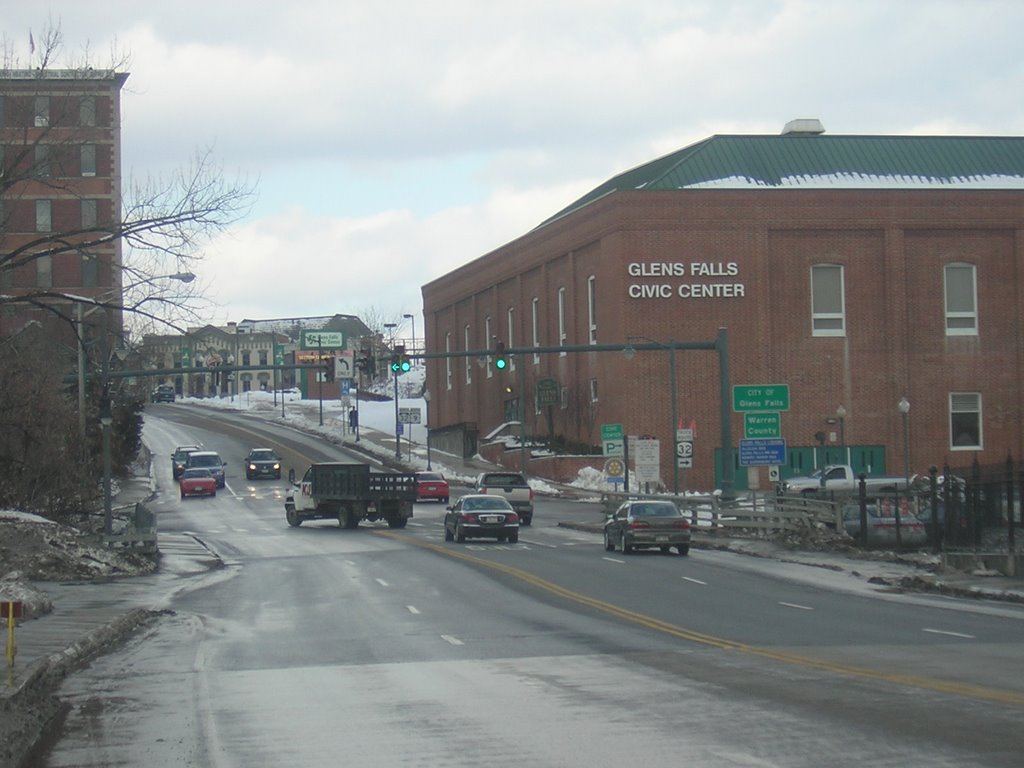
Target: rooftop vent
x: 804, y: 127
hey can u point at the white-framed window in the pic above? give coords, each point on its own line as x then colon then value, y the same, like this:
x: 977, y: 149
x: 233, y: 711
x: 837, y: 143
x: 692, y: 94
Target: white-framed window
x: 511, y: 335
x: 564, y: 397
x: 562, y: 335
x: 593, y: 390
x: 87, y: 111
x: 88, y: 159
x: 592, y: 307
x: 961, y: 292
x: 965, y: 421
x: 469, y: 359
x: 41, y: 111
x: 535, y: 323
x: 490, y: 345
x: 828, y: 304
x: 448, y: 360
x: 44, y: 218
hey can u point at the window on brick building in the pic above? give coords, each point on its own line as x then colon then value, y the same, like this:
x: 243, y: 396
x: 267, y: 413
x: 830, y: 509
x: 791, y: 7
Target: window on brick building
x: 88, y: 160
x: 562, y: 335
x: 44, y: 219
x: 88, y: 208
x: 511, y: 337
x: 965, y: 421
x: 448, y: 360
x: 90, y: 271
x: 961, y: 289
x: 41, y: 111
x: 828, y: 307
x: 41, y: 165
x: 87, y: 111
x: 490, y: 343
x: 592, y: 307
x: 264, y: 356
x: 44, y: 271
x: 535, y: 321
x: 469, y: 359
x: 593, y: 390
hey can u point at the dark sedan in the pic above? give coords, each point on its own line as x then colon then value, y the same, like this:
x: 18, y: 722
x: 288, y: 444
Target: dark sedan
x: 262, y: 462
x: 481, y: 516
x: 646, y: 524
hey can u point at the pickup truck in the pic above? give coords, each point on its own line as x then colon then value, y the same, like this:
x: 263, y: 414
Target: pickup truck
x: 350, y: 493
x: 511, y: 485
x: 841, y: 478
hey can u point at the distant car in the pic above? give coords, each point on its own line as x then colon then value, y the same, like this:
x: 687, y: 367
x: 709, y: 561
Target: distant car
x: 432, y: 485
x: 262, y: 462
x: 510, y: 485
x: 163, y: 394
x: 210, y: 460
x: 480, y: 516
x: 644, y: 524
x: 179, y: 456
x: 882, y: 525
x: 197, y: 481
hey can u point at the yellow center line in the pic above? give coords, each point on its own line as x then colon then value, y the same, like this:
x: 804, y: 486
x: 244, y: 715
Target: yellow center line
x: 925, y: 683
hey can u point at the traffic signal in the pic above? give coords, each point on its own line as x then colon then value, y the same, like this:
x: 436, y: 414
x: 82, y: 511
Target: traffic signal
x: 400, y: 362
x: 500, y: 358
x: 329, y: 369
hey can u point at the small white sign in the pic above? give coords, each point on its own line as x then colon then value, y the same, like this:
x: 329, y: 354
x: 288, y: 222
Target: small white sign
x: 408, y: 415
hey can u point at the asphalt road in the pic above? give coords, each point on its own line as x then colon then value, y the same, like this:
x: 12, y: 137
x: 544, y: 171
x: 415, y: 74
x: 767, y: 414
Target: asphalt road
x: 373, y: 647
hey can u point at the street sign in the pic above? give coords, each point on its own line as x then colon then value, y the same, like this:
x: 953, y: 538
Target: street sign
x: 612, y: 440
x: 762, y: 453
x: 548, y: 392
x: 648, y: 458
x: 408, y: 415
x: 760, y: 397
x: 614, y: 468
x: 764, y: 424
x: 684, y: 454
x: 323, y: 339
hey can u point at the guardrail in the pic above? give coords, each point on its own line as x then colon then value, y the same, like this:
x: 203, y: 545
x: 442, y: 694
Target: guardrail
x: 763, y: 513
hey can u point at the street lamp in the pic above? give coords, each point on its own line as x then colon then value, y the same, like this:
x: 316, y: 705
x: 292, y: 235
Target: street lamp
x: 670, y: 346
x: 413, y: 319
x: 904, y: 407
x: 398, y: 437
x: 841, y: 415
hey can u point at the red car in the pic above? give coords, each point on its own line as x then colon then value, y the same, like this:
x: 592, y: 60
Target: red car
x: 431, y: 485
x: 197, y: 481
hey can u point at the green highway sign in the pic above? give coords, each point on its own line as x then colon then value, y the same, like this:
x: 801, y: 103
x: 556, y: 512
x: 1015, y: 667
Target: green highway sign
x: 612, y: 440
x: 549, y: 392
x: 760, y: 397
x: 761, y: 424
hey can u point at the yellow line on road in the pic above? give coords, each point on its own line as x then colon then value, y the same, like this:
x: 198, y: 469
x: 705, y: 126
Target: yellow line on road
x: 925, y: 683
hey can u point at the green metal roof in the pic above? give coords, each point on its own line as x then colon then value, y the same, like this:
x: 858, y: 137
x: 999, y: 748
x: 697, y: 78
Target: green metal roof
x: 797, y: 161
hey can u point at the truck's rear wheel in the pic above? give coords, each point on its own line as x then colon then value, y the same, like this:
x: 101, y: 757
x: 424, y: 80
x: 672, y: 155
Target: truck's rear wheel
x: 347, y: 518
x: 292, y: 516
x: 397, y: 522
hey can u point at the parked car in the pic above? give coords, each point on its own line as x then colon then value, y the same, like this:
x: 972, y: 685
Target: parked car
x: 197, y: 481
x: 163, y: 394
x: 882, y: 525
x: 431, y: 485
x: 640, y: 524
x: 481, y: 516
x: 210, y: 460
x: 513, y: 487
x: 262, y: 462
x: 179, y: 456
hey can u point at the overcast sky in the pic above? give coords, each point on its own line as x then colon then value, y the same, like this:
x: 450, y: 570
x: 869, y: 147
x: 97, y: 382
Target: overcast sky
x: 394, y: 141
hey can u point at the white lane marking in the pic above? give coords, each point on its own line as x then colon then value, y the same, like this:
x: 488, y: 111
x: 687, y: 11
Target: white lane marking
x: 613, y: 560
x: 412, y: 609
x: 538, y: 543
x: 798, y: 607
x: 695, y: 581
x: 951, y: 634
x: 381, y: 582
x: 452, y: 640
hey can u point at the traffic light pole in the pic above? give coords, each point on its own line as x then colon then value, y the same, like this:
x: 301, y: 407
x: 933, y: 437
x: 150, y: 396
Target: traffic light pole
x: 398, y: 435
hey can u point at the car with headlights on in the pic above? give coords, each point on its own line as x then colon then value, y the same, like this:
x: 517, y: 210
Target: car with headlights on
x: 210, y: 460
x: 478, y: 516
x: 262, y: 462
x: 647, y: 524
x: 197, y: 481
x: 179, y: 457
x: 431, y: 485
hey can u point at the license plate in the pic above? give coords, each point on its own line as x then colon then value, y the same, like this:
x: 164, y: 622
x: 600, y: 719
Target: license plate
x: 492, y: 518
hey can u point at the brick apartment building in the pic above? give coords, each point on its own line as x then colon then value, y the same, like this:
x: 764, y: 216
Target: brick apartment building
x: 856, y: 270
x: 60, y: 157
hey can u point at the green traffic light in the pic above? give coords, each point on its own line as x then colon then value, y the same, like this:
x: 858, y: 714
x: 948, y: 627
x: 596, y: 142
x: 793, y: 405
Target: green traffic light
x: 501, y: 363
x: 405, y: 366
